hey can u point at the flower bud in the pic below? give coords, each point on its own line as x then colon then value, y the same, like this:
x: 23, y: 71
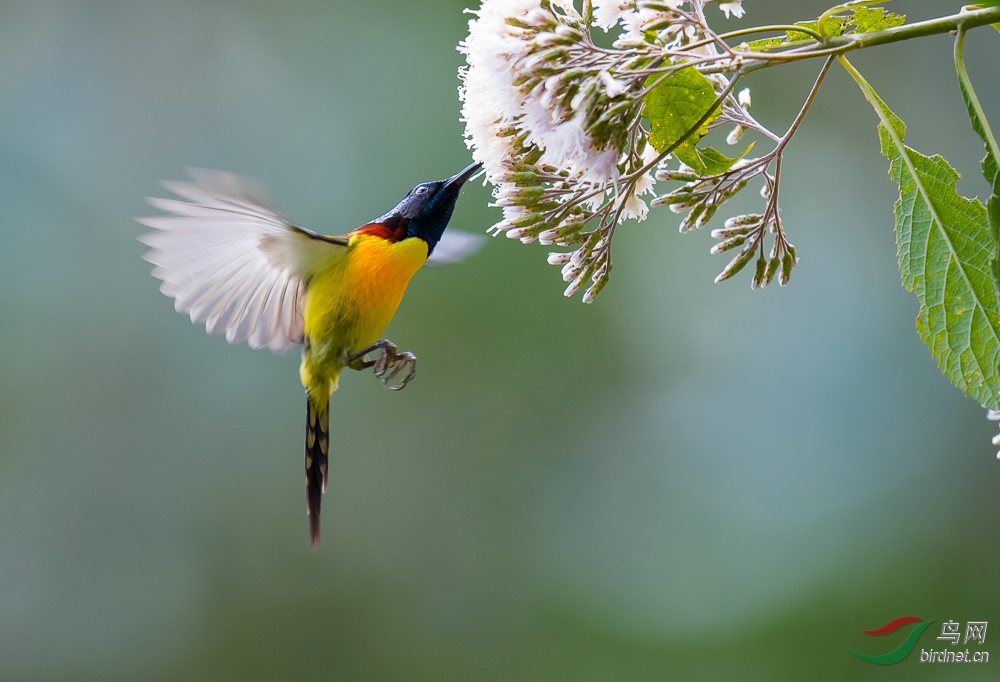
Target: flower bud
x: 578, y: 282
x: 599, y: 281
x: 733, y: 190
x: 658, y: 24
x: 727, y: 245
x: 528, y: 219
x: 522, y: 179
x: 548, y: 237
x: 682, y: 176
x: 538, y: 17
x: 706, y: 216
x: 736, y: 135
x: 691, y: 218
x: 772, y: 267
x: 545, y: 39
x: 758, y: 275
x: 744, y: 98
x: 679, y: 195
x: 659, y: 6
x: 787, y: 263
x: 556, y: 258
x: 738, y: 263
x: 729, y: 232
x: 569, y: 32
x: 748, y: 219
x: 629, y: 42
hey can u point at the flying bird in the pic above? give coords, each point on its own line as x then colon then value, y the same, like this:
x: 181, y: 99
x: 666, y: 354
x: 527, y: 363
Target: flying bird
x: 241, y: 269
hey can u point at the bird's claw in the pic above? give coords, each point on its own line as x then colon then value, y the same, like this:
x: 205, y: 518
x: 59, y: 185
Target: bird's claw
x: 389, y: 365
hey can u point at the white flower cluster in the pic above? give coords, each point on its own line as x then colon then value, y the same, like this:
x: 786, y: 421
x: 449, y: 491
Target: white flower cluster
x: 511, y: 42
x: 557, y: 122
x: 994, y: 415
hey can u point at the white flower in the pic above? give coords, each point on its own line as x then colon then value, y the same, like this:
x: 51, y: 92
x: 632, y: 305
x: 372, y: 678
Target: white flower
x: 644, y: 185
x: 633, y: 22
x: 994, y: 415
x: 608, y: 12
x: 490, y: 99
x: 744, y: 98
x: 567, y: 7
x: 612, y: 85
x: 497, y: 54
x: 634, y: 208
x: 735, y: 7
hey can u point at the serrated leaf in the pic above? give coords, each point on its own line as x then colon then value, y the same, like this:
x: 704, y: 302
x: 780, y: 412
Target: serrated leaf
x: 867, y: 19
x: 864, y: 19
x: 944, y: 247
x: 834, y: 27
x: 852, y: 5
x: 708, y: 160
x: 675, y: 106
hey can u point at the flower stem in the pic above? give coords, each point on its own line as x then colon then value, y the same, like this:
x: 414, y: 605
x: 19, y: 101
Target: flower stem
x: 805, y: 106
x: 973, y: 100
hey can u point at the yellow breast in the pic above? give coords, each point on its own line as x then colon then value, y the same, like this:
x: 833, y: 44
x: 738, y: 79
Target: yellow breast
x: 349, y: 304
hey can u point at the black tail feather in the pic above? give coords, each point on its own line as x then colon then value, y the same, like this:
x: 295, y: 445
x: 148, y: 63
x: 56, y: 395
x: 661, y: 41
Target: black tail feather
x: 317, y: 456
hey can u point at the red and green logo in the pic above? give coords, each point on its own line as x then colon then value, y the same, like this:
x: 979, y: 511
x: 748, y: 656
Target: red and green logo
x: 901, y: 651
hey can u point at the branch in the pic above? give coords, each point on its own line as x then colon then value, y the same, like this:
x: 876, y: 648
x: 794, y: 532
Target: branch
x: 838, y: 45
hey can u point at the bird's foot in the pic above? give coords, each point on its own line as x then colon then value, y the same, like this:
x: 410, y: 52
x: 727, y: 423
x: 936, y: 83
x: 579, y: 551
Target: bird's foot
x: 389, y: 366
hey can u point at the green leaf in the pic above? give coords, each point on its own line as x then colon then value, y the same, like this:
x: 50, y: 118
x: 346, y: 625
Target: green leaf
x: 945, y: 248
x: 709, y: 160
x: 834, y: 27
x: 863, y: 20
x: 675, y: 106
x: 867, y: 19
x: 991, y: 162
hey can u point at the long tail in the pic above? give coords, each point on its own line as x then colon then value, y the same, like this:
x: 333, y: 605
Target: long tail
x: 317, y: 456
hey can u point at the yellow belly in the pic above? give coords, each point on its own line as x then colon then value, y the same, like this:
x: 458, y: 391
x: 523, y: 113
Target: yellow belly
x: 349, y: 304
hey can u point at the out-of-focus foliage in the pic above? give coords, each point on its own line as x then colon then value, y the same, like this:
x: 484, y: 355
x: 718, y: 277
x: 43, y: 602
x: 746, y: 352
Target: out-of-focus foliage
x: 565, y: 492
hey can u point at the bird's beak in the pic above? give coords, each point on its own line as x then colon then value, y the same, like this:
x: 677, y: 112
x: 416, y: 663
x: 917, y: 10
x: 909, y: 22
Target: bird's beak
x: 460, y: 178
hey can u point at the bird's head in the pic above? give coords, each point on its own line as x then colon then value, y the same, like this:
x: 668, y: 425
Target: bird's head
x: 428, y: 207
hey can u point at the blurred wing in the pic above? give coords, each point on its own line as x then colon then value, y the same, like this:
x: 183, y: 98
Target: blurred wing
x: 455, y: 246
x: 232, y: 263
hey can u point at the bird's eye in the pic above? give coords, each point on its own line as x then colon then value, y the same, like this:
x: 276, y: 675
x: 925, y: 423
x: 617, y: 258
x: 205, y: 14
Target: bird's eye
x: 421, y: 190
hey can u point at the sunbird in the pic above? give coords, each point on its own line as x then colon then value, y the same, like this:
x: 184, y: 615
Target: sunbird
x: 240, y: 268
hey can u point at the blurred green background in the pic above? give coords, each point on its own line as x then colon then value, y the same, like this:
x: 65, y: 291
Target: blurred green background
x: 681, y: 481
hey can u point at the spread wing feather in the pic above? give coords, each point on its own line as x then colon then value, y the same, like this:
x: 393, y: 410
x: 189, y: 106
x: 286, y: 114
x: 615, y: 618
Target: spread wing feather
x: 231, y: 262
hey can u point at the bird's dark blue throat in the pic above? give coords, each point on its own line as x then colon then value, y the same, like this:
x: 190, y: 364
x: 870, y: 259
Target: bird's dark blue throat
x: 426, y: 210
